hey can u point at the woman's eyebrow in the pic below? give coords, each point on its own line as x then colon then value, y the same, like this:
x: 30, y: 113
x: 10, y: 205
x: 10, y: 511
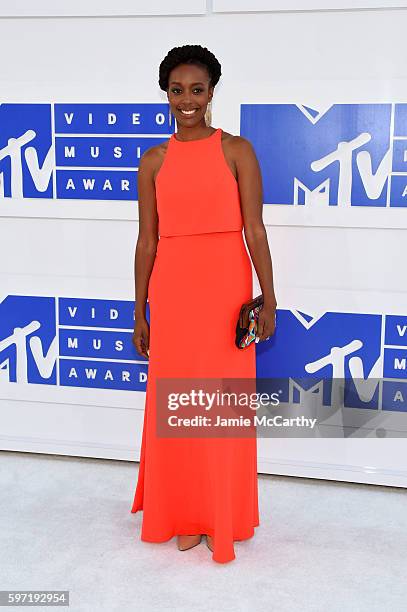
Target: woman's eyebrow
x: 178, y: 83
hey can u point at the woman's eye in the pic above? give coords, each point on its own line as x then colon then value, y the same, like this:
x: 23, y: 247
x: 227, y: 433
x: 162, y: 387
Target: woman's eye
x: 198, y: 89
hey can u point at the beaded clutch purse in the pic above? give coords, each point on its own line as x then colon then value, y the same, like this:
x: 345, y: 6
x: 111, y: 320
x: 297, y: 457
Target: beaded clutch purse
x: 246, y: 325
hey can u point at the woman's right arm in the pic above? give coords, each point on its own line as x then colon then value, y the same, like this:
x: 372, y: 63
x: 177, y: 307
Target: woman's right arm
x: 146, y: 246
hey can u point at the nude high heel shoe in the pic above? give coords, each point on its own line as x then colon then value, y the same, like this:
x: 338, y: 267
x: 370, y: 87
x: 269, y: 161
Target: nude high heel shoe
x: 185, y: 542
x: 209, y: 542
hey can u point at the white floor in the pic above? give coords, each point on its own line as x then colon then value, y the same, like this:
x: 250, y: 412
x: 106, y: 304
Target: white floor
x: 321, y: 546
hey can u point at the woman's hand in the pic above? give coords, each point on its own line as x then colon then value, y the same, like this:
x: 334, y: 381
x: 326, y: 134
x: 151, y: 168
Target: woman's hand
x: 266, y: 323
x: 141, y: 337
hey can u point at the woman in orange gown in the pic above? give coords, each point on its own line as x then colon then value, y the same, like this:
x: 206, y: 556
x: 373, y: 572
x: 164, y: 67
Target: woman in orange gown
x: 196, y: 275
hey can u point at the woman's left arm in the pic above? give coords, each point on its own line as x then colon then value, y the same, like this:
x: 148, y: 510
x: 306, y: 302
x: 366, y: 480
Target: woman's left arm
x: 251, y: 197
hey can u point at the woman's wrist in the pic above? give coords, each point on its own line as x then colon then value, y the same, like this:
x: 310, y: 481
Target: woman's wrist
x: 140, y: 311
x: 269, y: 302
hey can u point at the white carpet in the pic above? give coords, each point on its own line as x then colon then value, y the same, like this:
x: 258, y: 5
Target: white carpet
x: 321, y: 546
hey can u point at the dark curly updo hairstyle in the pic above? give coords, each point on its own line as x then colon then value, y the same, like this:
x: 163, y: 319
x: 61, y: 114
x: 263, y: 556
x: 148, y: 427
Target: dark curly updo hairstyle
x: 189, y: 54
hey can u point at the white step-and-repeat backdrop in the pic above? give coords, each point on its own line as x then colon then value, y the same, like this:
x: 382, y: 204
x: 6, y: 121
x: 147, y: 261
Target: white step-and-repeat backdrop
x: 325, y: 107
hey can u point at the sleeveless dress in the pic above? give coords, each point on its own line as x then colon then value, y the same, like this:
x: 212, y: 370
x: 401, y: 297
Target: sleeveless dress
x: 201, y: 275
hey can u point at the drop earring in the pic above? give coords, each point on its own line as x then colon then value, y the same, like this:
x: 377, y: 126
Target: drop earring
x: 208, y: 113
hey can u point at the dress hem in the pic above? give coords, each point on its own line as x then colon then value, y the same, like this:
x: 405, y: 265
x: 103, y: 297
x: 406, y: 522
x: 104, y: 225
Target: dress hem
x: 197, y: 531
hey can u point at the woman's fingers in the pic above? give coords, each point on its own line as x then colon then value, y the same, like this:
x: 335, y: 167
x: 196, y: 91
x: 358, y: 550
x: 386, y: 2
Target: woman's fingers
x: 140, y: 340
x: 266, y: 324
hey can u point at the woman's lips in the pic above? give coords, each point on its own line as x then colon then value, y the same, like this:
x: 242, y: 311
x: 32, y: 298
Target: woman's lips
x: 188, y: 113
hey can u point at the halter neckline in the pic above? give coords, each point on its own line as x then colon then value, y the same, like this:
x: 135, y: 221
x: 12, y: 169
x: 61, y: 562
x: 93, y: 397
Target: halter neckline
x: 195, y: 139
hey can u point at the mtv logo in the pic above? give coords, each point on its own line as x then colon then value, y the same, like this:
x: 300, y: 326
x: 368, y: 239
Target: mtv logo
x: 307, y: 349
x: 28, y: 342
x: 90, y: 345
x: 342, y: 155
x: 26, y: 151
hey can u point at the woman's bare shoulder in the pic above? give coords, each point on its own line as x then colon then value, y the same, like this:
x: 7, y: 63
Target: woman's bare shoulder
x: 239, y: 142
x: 152, y: 158
x: 239, y: 149
x: 154, y: 152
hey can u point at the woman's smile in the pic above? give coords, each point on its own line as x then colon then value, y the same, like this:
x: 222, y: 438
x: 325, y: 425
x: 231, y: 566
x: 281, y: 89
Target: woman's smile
x: 189, y: 112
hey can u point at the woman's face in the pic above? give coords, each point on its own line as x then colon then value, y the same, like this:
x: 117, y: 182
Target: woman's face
x: 188, y: 89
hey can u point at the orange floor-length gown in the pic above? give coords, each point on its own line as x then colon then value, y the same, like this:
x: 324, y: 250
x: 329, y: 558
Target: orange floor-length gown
x: 202, y: 274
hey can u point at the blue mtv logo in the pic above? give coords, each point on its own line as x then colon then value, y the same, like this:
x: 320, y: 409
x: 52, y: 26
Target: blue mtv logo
x: 26, y: 153
x: 87, y: 344
x: 342, y: 155
x: 28, y: 342
x: 96, y: 152
x: 365, y: 351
